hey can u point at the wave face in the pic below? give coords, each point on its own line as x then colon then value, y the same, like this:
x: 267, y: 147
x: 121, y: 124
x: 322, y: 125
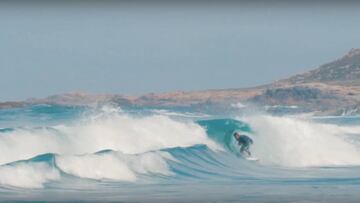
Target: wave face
x: 109, y: 154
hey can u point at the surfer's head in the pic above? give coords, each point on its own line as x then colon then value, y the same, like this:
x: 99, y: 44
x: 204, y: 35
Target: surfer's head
x: 237, y: 135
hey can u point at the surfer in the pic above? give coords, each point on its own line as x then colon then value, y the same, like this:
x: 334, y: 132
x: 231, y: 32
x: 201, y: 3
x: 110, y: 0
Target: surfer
x: 244, y: 142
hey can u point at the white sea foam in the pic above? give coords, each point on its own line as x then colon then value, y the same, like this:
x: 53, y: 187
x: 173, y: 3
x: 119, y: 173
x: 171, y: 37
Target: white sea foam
x: 106, y: 130
x: 26, y: 143
x: 177, y: 114
x: 238, y: 105
x: 27, y: 175
x: 115, y: 166
x: 296, y: 142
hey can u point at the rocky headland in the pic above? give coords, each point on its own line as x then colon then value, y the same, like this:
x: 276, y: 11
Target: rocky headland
x: 330, y: 89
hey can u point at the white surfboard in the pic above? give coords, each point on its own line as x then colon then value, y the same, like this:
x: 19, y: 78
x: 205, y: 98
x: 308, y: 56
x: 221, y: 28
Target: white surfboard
x: 252, y: 158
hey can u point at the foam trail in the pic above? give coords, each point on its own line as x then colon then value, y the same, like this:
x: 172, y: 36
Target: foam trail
x: 115, y: 166
x: 301, y: 143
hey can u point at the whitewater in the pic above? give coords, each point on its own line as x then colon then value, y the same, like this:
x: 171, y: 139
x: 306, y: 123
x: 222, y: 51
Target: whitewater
x: 105, y: 153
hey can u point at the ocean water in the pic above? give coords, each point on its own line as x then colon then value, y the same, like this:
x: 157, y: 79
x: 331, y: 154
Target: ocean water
x: 99, y: 154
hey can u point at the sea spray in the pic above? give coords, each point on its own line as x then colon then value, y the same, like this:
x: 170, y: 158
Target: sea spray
x: 295, y: 142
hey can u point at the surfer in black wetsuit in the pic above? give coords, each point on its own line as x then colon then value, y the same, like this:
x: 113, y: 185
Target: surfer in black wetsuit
x: 244, y: 142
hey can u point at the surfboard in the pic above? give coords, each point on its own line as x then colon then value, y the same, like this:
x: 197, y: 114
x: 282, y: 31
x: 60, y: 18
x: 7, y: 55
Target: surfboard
x: 252, y: 158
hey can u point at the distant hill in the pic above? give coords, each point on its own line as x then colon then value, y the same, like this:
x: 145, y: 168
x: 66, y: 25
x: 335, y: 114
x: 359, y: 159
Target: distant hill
x: 330, y: 89
x: 345, y: 70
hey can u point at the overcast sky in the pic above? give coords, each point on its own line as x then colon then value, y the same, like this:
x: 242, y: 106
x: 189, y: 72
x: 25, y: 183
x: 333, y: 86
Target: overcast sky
x: 135, y: 48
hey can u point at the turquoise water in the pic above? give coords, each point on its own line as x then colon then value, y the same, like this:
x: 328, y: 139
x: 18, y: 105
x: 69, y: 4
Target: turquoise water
x: 57, y: 153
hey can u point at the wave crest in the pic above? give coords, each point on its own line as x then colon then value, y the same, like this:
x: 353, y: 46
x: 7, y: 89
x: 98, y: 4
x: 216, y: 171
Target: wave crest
x: 106, y: 131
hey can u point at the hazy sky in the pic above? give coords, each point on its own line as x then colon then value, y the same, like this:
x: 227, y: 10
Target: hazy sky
x: 134, y: 48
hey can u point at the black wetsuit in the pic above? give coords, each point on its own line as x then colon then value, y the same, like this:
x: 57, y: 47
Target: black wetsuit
x: 245, y: 142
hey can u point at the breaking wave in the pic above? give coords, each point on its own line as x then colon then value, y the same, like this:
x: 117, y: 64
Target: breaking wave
x: 117, y: 147
x: 303, y: 143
